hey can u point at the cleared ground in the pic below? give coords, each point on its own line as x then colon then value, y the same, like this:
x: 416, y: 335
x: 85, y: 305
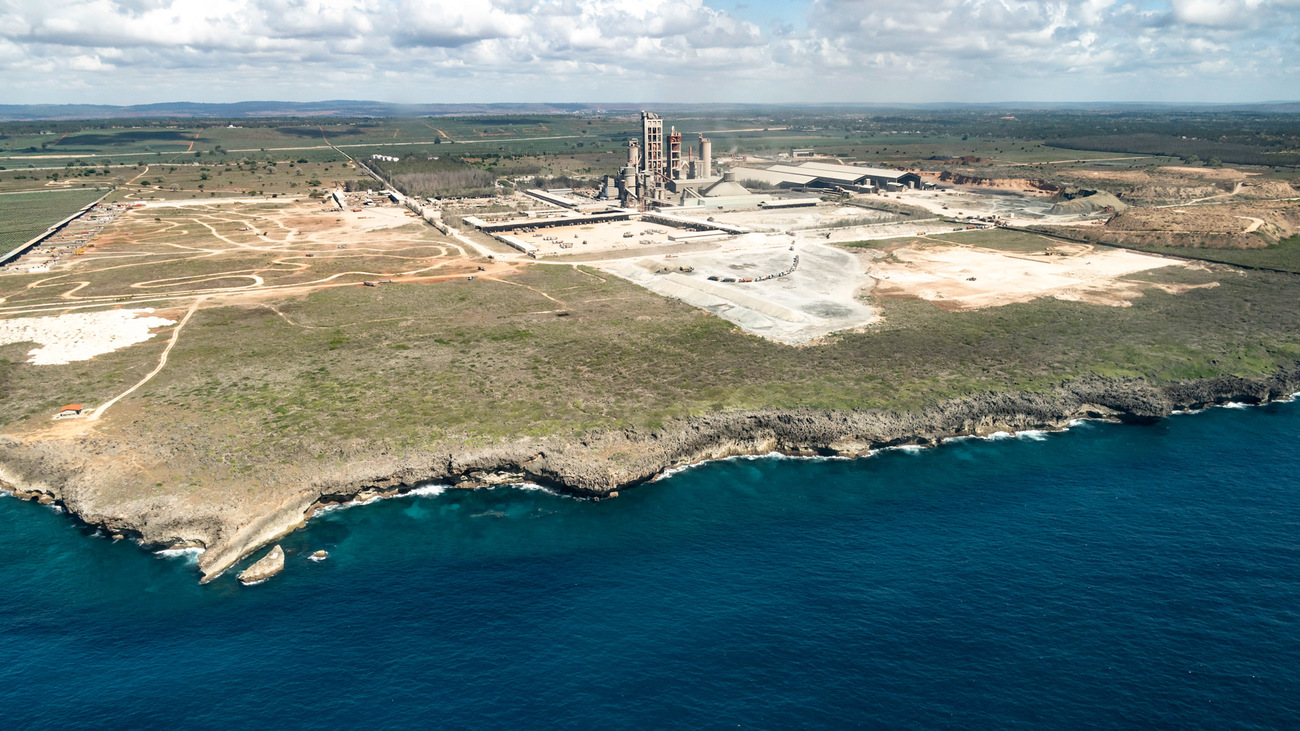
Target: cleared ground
x: 600, y: 238
x: 167, y: 252
x: 822, y: 295
x: 798, y: 219
x: 966, y: 278
x: 981, y: 201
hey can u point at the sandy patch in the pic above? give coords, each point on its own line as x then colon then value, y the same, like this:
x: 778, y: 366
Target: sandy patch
x: 80, y: 336
x: 969, y: 278
x: 1209, y: 173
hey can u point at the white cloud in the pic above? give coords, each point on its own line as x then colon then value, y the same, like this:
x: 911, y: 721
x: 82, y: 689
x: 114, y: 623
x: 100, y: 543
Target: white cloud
x: 652, y: 50
x: 1228, y: 13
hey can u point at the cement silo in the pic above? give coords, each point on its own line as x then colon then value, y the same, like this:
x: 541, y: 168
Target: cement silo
x: 706, y: 157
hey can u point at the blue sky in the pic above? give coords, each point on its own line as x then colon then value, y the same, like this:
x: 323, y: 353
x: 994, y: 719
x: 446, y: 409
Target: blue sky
x: 139, y: 51
x: 766, y: 13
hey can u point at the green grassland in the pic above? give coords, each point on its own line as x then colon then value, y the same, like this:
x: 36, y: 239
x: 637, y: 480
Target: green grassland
x: 520, y: 146
x: 506, y: 136
x: 999, y: 239
x: 25, y: 215
x: 59, y: 177
x: 1283, y: 255
x: 210, y: 178
x: 405, y: 366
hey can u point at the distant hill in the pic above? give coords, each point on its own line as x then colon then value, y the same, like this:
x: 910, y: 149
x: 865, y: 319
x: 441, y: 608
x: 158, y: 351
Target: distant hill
x: 353, y: 108
x: 336, y: 108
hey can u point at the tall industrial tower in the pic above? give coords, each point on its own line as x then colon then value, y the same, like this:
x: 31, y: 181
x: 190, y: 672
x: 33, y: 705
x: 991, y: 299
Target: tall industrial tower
x: 653, y: 162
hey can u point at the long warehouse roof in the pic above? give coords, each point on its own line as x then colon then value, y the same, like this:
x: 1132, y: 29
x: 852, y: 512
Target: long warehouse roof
x: 771, y: 177
x: 816, y: 167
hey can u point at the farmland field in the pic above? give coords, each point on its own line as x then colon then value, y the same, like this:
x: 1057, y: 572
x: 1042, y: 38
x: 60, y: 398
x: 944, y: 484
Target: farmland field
x: 24, y: 215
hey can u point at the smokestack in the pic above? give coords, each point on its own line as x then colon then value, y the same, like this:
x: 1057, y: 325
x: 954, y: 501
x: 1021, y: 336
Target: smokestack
x: 706, y: 157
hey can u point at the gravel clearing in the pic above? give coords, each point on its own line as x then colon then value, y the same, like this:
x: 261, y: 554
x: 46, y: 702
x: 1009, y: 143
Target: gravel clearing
x: 80, y: 336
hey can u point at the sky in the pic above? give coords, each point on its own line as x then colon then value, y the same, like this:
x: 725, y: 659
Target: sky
x: 752, y: 51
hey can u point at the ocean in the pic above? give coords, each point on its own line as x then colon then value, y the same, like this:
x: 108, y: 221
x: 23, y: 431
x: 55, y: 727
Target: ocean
x: 1104, y: 577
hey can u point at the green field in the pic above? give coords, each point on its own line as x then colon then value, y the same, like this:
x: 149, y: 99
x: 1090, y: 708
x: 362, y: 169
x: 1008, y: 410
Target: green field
x: 25, y: 215
x: 1284, y: 255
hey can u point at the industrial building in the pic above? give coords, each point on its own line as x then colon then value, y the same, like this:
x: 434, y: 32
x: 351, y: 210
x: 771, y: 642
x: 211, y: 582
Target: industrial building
x: 660, y: 172
x: 828, y: 175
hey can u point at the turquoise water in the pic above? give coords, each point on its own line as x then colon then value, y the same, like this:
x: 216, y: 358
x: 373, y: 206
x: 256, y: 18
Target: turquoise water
x: 1108, y: 576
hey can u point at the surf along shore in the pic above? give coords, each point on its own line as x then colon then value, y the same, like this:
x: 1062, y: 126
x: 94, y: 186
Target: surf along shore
x: 601, y: 463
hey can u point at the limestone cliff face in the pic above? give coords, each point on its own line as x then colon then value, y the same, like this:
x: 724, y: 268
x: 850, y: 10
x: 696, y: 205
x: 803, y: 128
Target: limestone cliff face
x: 593, y: 465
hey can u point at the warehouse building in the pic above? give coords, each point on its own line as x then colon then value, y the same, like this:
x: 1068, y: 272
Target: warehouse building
x: 829, y: 175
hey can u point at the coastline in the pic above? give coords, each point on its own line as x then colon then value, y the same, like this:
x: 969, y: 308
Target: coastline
x: 599, y: 465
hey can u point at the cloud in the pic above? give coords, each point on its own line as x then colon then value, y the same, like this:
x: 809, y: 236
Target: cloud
x: 687, y: 50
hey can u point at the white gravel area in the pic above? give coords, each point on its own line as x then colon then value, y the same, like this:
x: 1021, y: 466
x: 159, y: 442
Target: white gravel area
x: 80, y: 336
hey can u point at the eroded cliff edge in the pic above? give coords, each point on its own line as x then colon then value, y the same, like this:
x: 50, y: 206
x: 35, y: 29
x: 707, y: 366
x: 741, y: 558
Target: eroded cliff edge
x: 82, y: 475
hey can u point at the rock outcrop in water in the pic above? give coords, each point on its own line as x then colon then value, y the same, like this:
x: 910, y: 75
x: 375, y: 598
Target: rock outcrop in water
x: 594, y: 465
x: 265, y: 567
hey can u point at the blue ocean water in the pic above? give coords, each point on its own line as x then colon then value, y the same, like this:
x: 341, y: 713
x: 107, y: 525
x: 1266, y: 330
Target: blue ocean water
x: 1109, y: 576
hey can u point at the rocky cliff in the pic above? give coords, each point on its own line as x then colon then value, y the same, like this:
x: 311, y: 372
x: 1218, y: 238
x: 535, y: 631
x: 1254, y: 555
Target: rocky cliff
x: 594, y: 465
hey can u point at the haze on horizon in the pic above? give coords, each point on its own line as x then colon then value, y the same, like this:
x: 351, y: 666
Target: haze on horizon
x: 762, y: 51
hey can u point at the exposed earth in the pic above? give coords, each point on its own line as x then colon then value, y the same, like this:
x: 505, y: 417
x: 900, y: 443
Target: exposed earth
x: 300, y: 356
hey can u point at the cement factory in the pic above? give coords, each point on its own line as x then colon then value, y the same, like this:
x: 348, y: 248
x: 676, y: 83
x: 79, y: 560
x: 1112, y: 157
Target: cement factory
x: 662, y: 174
x: 668, y: 192
x: 657, y: 174
x: 753, y: 243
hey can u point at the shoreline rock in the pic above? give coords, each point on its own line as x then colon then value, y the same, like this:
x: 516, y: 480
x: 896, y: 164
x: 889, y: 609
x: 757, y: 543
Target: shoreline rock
x: 600, y: 463
x: 265, y: 567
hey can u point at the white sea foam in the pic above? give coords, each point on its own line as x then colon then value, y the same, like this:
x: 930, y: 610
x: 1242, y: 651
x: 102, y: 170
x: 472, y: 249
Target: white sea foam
x: 673, y: 471
x: 531, y: 486
x: 317, y: 558
x: 188, y: 555
x: 1036, y: 435
x: 769, y: 455
x: 1236, y: 405
x: 326, y: 509
x: 428, y: 491
x: 669, y: 472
